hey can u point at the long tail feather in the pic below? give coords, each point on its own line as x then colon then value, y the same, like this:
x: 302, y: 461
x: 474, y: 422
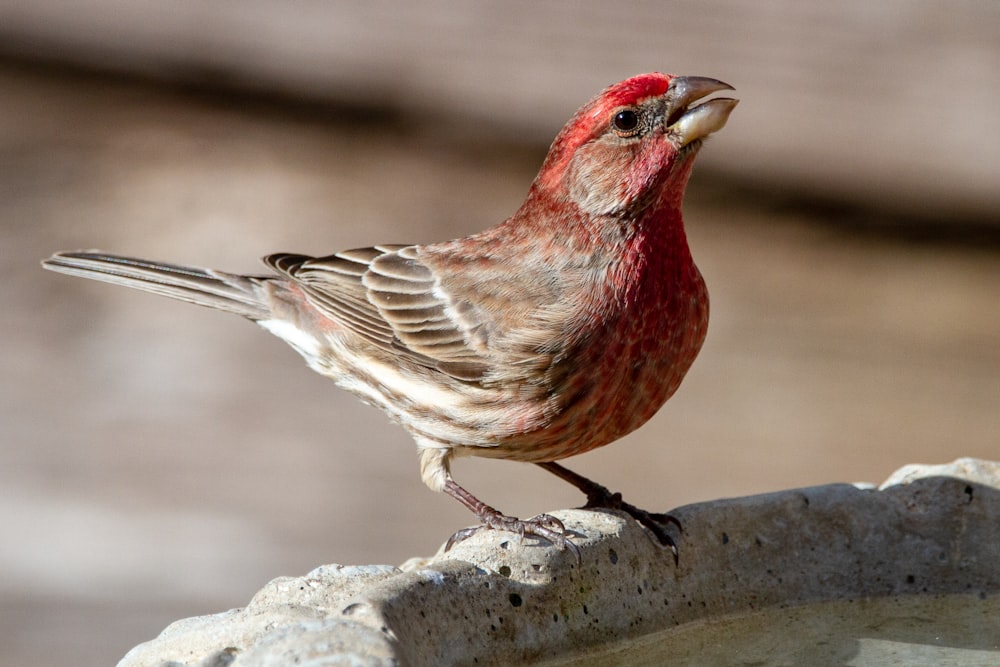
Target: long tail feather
x: 230, y: 292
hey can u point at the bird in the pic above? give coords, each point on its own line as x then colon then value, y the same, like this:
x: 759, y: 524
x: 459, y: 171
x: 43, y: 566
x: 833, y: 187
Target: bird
x: 557, y: 331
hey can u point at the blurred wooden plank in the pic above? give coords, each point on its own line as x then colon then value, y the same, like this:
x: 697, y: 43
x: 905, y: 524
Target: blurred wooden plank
x: 892, y: 103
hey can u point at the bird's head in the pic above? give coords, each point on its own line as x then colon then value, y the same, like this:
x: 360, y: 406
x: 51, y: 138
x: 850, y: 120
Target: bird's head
x: 633, y: 143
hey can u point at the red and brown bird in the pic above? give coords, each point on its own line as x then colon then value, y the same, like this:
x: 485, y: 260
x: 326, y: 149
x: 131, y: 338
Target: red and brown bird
x: 557, y: 331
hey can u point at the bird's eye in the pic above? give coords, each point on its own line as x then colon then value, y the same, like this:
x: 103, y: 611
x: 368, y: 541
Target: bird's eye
x: 626, y: 123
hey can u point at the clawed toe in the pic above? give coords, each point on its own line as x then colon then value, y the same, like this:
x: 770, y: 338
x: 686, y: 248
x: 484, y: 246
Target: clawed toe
x: 544, y: 523
x: 462, y: 535
x: 656, y: 523
x: 552, y: 529
x: 599, y: 497
x: 544, y: 526
x: 662, y: 519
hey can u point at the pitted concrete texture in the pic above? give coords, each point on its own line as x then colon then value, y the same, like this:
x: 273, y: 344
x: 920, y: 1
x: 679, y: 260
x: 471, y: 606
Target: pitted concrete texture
x: 495, y: 599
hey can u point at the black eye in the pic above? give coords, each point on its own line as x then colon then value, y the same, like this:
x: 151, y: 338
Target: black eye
x: 626, y: 122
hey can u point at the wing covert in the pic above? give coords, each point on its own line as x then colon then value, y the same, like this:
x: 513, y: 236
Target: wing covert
x: 386, y: 295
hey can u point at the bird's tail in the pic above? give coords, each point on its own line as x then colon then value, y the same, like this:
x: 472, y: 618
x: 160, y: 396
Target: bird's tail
x: 230, y: 292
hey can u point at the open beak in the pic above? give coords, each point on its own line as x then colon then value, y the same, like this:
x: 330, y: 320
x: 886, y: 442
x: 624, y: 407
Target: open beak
x: 689, y: 123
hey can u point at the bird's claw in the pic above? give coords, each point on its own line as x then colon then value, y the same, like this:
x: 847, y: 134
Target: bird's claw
x: 599, y: 497
x: 462, y: 535
x: 545, y: 526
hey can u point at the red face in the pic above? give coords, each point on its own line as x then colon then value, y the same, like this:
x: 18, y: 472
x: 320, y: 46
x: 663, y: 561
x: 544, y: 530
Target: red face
x: 621, y: 148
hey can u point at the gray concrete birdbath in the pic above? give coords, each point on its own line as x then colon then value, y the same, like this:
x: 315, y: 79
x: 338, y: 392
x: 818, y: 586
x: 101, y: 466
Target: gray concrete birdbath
x: 906, y: 573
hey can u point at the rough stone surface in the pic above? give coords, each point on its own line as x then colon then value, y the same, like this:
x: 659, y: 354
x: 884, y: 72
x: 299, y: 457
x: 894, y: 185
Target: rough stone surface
x: 930, y: 532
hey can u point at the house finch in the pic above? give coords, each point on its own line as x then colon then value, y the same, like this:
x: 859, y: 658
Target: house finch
x: 559, y: 330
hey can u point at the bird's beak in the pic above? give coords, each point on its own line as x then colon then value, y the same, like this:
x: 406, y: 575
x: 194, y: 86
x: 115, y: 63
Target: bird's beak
x: 689, y: 123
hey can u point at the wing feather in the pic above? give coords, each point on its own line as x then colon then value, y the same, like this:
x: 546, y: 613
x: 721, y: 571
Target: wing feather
x: 386, y: 295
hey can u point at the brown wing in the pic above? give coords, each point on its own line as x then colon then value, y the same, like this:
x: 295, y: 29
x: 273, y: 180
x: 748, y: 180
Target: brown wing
x: 387, y: 296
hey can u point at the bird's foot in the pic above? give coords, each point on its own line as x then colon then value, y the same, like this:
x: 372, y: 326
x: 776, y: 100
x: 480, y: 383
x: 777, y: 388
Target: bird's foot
x: 599, y: 497
x: 544, y: 526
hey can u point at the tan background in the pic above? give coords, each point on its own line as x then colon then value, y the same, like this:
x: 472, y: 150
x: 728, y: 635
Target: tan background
x: 159, y: 460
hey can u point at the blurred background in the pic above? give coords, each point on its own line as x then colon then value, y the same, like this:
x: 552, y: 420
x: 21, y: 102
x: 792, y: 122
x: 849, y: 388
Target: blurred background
x: 159, y: 460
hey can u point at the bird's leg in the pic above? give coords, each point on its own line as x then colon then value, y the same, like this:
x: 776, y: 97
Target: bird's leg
x: 544, y: 526
x: 599, y: 496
